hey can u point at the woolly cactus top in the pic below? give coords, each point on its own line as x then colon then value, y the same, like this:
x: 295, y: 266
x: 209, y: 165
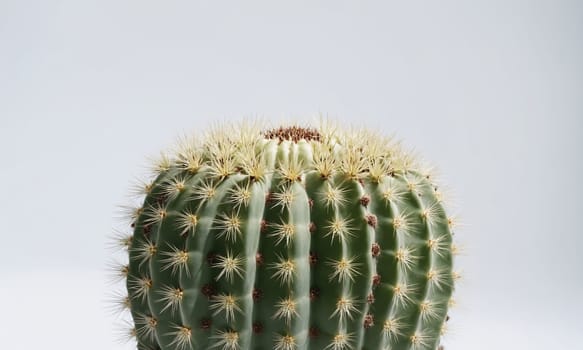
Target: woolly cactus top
x: 288, y: 238
x: 245, y: 148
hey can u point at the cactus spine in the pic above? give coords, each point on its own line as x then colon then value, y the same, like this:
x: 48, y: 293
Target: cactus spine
x: 291, y: 238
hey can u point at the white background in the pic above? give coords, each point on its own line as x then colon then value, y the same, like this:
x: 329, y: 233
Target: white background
x: 489, y: 91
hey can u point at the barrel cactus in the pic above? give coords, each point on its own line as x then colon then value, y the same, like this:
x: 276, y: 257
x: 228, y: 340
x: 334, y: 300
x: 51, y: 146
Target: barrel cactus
x: 288, y: 238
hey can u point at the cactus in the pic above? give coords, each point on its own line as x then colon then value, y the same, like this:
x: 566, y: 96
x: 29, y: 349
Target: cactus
x: 288, y: 238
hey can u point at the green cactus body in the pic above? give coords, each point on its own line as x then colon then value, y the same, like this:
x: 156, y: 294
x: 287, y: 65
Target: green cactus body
x: 289, y: 239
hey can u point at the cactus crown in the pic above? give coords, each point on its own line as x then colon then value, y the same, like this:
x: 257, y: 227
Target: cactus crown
x: 289, y: 238
x: 293, y: 133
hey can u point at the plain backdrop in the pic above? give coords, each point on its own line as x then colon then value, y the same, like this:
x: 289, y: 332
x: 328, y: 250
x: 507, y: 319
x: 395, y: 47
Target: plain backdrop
x: 491, y: 92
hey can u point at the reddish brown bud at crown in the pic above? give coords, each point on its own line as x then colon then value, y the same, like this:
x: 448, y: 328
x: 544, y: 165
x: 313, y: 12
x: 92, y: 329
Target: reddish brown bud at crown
x: 292, y: 133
